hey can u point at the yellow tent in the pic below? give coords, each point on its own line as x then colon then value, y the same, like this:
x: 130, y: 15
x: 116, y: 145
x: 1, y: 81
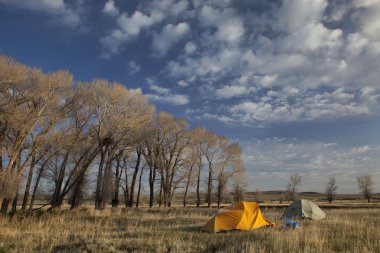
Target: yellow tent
x: 241, y: 215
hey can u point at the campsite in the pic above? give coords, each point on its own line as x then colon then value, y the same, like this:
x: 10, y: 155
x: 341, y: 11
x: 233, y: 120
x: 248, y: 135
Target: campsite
x: 350, y: 226
x: 176, y: 126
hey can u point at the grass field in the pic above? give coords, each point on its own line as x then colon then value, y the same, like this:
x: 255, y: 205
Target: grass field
x: 179, y: 230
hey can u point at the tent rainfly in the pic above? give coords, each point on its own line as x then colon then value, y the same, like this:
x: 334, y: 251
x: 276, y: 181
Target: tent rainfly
x: 239, y: 216
x: 304, y: 209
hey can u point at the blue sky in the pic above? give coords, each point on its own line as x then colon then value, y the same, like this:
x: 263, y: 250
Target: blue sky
x: 296, y: 82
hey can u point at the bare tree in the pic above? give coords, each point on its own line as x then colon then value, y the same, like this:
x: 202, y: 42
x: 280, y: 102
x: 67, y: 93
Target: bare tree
x: 240, y: 182
x: 27, y: 101
x: 212, y: 152
x: 331, y: 188
x: 230, y: 158
x: 258, y: 195
x: 175, y: 139
x: 59, y: 135
x: 199, y: 140
x: 292, y: 188
x: 366, y: 186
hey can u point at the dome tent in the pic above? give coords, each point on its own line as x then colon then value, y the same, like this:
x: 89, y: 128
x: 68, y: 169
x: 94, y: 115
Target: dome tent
x: 239, y: 216
x: 304, y: 209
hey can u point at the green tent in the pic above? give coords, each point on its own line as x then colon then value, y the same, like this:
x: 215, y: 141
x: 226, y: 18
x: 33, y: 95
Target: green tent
x: 304, y: 209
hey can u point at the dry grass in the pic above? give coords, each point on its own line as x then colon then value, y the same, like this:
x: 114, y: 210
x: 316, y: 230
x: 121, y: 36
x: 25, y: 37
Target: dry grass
x: 179, y: 230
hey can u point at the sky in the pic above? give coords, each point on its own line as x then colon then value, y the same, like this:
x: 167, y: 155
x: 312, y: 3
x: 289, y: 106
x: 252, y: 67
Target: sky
x: 295, y: 82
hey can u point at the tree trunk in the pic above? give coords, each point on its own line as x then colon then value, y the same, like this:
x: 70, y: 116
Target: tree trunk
x: 1, y: 151
x: 209, y: 185
x: 126, y: 190
x: 99, y: 179
x: 199, y: 183
x: 28, y: 184
x: 80, y: 174
x: 134, y: 177
x: 59, y: 182
x: 14, y: 202
x: 77, y: 192
x: 139, y: 190
x: 152, y: 178
x: 219, y: 192
x: 5, y: 206
x: 115, y: 200
x: 36, y: 185
x: 187, y: 186
x: 160, y: 194
x: 107, y: 183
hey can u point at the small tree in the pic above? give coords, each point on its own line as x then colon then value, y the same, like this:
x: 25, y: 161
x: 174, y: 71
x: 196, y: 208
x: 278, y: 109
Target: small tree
x: 365, y: 185
x: 258, y: 195
x: 239, y: 182
x: 292, y: 188
x: 331, y: 188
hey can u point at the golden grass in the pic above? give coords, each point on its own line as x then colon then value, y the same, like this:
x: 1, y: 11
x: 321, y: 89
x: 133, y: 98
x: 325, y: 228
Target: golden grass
x: 179, y: 230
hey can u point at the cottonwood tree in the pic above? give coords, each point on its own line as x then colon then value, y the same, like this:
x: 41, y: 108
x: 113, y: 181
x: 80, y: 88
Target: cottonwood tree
x: 230, y: 158
x: 60, y: 135
x: 151, y: 151
x: 188, y: 164
x: 28, y: 101
x: 198, y: 141
x: 213, y: 152
x: 366, y: 186
x: 240, y: 182
x: 292, y: 188
x: 175, y: 139
x: 331, y: 188
x: 118, y: 114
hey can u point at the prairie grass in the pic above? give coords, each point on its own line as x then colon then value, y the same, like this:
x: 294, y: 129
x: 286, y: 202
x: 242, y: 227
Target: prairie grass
x: 179, y: 230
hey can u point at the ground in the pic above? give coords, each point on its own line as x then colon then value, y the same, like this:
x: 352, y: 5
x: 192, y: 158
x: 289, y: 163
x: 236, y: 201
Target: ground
x: 180, y: 230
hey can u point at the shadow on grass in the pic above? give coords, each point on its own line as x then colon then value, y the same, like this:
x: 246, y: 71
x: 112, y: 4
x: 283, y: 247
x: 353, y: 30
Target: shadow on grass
x: 81, y: 247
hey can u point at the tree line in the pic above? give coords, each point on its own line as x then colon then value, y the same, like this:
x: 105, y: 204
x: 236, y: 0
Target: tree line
x: 71, y: 139
x: 365, y: 185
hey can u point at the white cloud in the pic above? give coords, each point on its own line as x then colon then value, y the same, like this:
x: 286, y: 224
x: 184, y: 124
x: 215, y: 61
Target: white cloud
x: 278, y: 106
x: 272, y: 161
x: 169, y: 35
x: 159, y: 89
x: 233, y: 91
x: 174, y: 99
x: 128, y: 27
x: 230, y: 27
x: 169, y: 7
x: 164, y: 95
x: 183, y: 83
x: 110, y: 8
x: 221, y: 118
x: 190, y: 47
x: 133, y: 67
x: 293, y: 15
x: 57, y: 9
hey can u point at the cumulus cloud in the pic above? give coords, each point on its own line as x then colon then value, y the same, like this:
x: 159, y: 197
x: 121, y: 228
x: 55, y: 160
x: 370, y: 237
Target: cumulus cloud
x: 110, y: 8
x: 128, y: 27
x: 190, y: 47
x: 275, y: 62
x: 133, y: 67
x: 60, y: 11
x: 229, y: 25
x: 304, y: 50
x: 292, y: 105
x: 278, y: 106
x: 169, y: 35
x: 183, y: 83
x: 272, y: 161
x: 165, y: 95
x: 233, y: 91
